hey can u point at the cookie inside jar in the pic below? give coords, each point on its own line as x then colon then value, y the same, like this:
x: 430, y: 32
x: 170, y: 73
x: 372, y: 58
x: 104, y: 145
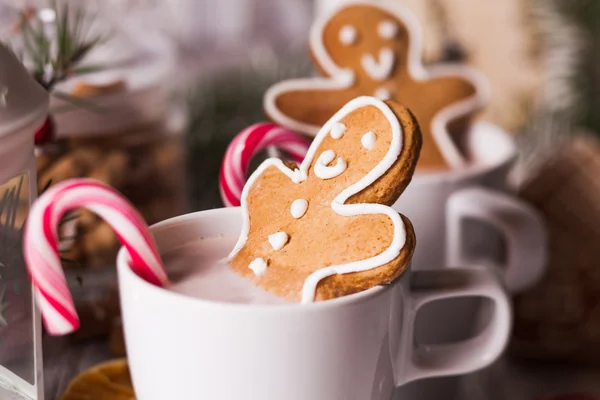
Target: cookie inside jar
x: 123, y: 130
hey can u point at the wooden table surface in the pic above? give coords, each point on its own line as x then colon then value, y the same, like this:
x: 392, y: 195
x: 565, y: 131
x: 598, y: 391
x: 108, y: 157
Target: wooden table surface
x: 505, y: 380
x: 63, y: 360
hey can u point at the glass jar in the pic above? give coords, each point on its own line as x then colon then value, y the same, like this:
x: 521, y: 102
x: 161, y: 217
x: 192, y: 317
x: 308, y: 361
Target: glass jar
x: 128, y: 136
x: 23, y: 109
x: 112, y: 115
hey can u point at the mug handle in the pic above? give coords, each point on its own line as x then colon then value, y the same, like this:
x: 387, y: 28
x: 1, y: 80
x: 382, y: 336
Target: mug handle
x: 520, y: 224
x: 425, y: 361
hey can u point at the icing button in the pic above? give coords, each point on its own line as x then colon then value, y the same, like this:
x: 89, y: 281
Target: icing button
x: 258, y: 266
x: 278, y: 240
x: 383, y: 94
x: 298, y: 208
x: 348, y: 35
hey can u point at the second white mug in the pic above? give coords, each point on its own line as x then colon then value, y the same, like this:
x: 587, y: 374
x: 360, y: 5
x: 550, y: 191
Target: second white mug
x: 441, y: 204
x: 469, y: 217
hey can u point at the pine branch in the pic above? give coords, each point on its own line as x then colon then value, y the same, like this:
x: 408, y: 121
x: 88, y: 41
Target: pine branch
x: 559, y: 44
x: 73, y: 43
x: 74, y: 101
x: 220, y: 105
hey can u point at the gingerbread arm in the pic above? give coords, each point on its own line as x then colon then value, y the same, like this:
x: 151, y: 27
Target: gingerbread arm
x: 304, y: 105
x: 260, y: 216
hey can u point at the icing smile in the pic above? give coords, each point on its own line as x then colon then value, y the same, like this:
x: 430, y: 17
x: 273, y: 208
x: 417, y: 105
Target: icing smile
x: 380, y: 69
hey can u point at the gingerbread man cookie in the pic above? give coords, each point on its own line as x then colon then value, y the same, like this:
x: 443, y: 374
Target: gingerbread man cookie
x: 324, y: 229
x: 373, y: 48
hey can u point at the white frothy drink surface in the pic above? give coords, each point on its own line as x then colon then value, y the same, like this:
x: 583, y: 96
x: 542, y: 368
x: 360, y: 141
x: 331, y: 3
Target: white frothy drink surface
x: 199, y: 269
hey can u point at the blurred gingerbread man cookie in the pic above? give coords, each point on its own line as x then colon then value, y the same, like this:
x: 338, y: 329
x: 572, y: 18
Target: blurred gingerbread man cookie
x: 373, y: 48
x: 324, y: 229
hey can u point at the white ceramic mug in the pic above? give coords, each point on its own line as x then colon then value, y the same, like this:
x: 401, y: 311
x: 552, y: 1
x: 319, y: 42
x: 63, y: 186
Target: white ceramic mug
x: 356, y: 347
x: 443, y: 207
x: 439, y: 204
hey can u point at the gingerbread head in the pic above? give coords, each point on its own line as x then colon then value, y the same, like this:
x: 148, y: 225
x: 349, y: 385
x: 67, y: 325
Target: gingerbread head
x: 324, y: 229
x: 373, y: 48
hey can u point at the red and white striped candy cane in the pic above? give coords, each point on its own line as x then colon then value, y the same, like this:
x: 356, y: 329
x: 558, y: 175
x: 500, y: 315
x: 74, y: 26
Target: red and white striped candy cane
x: 40, y: 245
x: 246, y: 145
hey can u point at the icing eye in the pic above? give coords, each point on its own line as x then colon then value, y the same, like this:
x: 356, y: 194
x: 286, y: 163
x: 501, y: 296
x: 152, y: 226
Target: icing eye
x: 387, y: 29
x: 368, y: 140
x: 348, y: 35
x: 337, y: 130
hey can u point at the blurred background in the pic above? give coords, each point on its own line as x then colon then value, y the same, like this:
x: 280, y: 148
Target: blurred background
x: 158, y: 88
x: 218, y: 57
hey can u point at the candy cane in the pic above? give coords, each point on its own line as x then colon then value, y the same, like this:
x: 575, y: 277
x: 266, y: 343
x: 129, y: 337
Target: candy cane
x: 40, y: 245
x: 246, y: 145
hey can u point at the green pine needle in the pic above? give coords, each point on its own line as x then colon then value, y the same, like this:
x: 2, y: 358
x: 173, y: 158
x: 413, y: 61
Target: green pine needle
x: 72, y: 39
x: 220, y: 106
x: 46, y: 186
x: 73, y: 102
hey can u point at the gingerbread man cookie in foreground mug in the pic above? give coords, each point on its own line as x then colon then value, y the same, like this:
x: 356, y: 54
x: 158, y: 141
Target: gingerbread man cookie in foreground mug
x: 324, y: 229
x: 374, y: 48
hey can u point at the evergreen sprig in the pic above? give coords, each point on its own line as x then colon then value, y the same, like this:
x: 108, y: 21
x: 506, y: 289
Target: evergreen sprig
x: 220, y: 105
x: 56, y: 54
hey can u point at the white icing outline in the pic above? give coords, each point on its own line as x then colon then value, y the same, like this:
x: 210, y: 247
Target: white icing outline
x: 324, y: 171
x: 340, y: 78
x: 338, y: 204
x: 348, y: 35
x: 297, y: 176
x: 380, y: 68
